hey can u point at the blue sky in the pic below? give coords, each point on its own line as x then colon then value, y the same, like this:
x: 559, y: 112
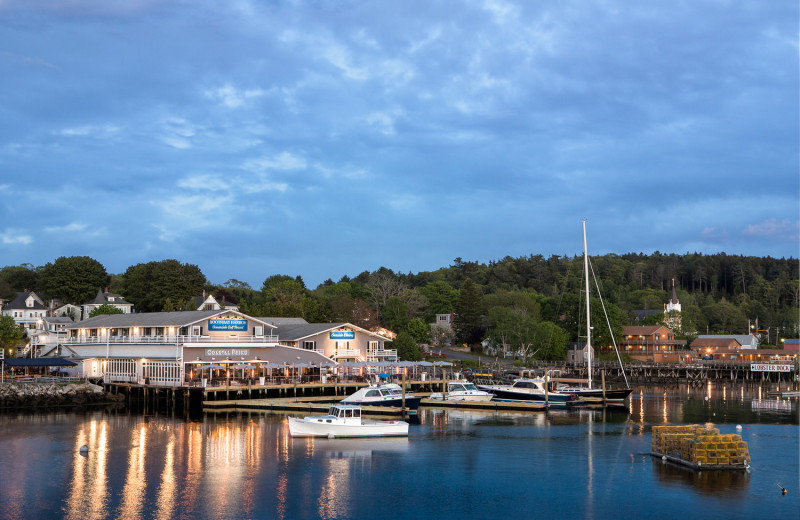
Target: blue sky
x: 326, y: 138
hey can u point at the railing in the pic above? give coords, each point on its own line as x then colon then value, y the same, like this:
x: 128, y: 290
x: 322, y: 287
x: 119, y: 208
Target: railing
x: 167, y: 339
x: 381, y: 354
x: 46, y: 380
x: 350, y: 352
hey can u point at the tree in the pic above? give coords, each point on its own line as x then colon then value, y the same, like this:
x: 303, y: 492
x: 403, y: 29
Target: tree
x: 21, y: 277
x: 148, y: 286
x: 394, y: 314
x: 419, y: 330
x: 468, y: 327
x: 441, y: 298
x: 407, y: 348
x: 441, y: 335
x: 10, y: 335
x: 73, y: 279
x: 105, y: 309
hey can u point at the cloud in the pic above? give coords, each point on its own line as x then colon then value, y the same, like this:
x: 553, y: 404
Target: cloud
x: 95, y: 131
x: 10, y: 237
x: 72, y: 227
x: 232, y: 97
x: 772, y: 228
x: 177, y: 132
x: 282, y: 161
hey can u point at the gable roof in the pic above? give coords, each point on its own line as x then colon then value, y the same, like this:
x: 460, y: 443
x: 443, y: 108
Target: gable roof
x: 716, y: 341
x: 19, y: 301
x: 285, y: 321
x: 297, y: 332
x: 102, y: 297
x: 642, y: 330
x: 743, y: 339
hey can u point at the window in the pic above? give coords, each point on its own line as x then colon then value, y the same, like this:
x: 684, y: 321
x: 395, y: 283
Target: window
x: 310, y: 345
x: 373, y: 346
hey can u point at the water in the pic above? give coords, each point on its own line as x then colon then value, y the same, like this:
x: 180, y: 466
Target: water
x: 583, y: 464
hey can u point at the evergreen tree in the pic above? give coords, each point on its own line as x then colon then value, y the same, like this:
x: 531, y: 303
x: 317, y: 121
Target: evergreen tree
x: 468, y: 327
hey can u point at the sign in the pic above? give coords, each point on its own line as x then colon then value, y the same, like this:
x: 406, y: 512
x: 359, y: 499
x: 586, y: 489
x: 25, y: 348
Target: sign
x: 227, y: 324
x: 762, y: 367
x: 343, y: 334
x: 227, y: 352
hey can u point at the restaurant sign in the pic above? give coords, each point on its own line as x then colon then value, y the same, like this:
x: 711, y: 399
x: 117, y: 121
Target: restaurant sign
x: 227, y: 324
x: 762, y: 367
x: 227, y: 352
x: 343, y: 334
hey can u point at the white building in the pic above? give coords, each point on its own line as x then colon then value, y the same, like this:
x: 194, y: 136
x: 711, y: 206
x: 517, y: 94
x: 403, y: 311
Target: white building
x: 169, y: 348
x: 26, y: 309
x: 107, y: 298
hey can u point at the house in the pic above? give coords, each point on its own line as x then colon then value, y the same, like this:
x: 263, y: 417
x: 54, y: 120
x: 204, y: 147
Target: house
x: 709, y: 346
x: 649, y: 342
x: 106, y: 298
x: 577, y: 353
x: 207, y: 302
x: 26, y: 309
x: 745, y: 341
x: 49, y: 332
x: 338, y: 341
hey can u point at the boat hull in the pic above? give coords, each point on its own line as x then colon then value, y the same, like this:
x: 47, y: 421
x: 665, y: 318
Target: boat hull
x: 554, y: 399
x: 412, y: 403
x: 315, y: 427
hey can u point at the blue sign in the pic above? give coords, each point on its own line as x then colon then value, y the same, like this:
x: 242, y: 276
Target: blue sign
x: 343, y: 334
x: 227, y: 324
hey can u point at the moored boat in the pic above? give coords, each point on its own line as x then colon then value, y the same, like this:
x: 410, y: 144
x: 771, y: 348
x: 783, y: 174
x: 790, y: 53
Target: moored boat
x: 530, y: 389
x: 387, y: 394
x: 345, y: 421
x: 463, y: 391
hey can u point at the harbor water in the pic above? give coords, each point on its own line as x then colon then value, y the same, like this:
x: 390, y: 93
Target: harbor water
x: 589, y: 463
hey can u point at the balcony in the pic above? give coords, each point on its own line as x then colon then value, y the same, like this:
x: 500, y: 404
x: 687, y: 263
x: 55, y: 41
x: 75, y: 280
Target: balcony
x: 381, y: 355
x: 166, y: 340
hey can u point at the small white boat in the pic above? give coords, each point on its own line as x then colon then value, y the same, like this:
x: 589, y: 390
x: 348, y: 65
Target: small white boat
x: 345, y: 421
x: 386, y: 394
x: 463, y: 391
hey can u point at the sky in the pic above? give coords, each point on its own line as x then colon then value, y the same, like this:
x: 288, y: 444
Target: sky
x: 327, y: 138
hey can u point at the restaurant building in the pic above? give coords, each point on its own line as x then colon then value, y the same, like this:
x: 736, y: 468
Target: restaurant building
x: 177, y: 348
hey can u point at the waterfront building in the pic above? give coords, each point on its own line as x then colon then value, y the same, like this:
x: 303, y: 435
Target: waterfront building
x: 106, y: 298
x: 26, y: 309
x: 177, y: 348
x: 745, y: 341
x: 651, y: 343
x: 337, y: 341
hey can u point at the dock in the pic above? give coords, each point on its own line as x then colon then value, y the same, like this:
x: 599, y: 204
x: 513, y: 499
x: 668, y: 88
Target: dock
x: 699, y: 466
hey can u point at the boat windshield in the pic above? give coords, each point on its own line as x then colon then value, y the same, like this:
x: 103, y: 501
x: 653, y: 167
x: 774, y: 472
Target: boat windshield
x: 456, y: 387
x: 469, y: 386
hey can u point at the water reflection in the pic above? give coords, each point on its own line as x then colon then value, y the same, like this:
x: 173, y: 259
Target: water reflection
x: 730, y: 485
x: 246, y: 465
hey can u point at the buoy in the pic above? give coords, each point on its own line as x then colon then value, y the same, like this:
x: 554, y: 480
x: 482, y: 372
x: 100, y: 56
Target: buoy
x: 331, y: 436
x: 84, y: 448
x: 783, y: 489
x: 664, y: 458
x: 738, y: 427
x: 706, y: 398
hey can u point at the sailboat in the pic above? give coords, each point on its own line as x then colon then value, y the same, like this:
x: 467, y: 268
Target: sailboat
x: 589, y: 393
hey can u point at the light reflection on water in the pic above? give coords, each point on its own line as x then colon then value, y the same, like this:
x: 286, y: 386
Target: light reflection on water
x: 247, y: 466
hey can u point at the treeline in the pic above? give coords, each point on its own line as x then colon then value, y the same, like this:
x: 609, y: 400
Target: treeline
x: 530, y: 304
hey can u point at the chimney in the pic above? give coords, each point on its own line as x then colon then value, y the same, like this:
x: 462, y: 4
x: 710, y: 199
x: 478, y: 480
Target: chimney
x: 204, y: 294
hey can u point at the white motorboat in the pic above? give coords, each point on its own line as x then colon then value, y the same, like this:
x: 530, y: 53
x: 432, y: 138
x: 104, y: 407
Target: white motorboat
x: 387, y: 394
x: 463, y: 391
x: 345, y: 421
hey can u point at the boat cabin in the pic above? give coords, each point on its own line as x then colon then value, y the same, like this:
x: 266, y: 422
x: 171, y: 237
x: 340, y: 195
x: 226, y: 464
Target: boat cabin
x: 461, y: 387
x: 341, y: 414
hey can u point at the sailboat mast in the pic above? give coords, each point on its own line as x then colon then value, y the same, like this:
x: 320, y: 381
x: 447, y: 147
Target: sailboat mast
x: 589, y: 352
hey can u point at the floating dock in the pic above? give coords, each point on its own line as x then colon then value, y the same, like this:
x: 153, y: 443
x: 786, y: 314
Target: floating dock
x: 700, y: 448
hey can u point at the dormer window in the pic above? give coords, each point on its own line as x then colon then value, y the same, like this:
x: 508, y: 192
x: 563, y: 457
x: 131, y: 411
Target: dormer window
x: 111, y: 298
x: 29, y: 302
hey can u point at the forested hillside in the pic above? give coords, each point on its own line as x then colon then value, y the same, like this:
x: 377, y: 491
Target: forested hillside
x: 530, y: 303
